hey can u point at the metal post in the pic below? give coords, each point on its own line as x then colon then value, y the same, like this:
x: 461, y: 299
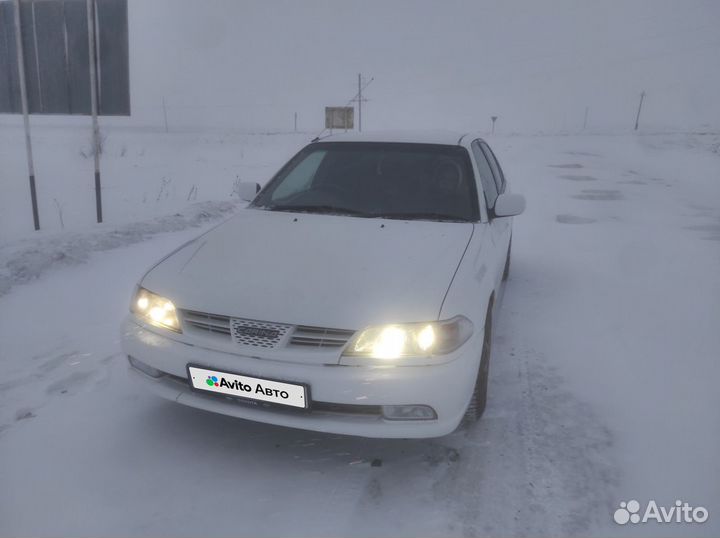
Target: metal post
x: 94, y: 105
x: 165, y: 114
x: 26, y: 116
x: 587, y: 109
x: 296, y: 122
x: 494, y: 119
x: 637, y: 118
x: 360, y: 102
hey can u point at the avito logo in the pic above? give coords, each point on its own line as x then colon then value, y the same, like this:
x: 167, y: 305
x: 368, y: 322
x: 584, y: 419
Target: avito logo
x: 213, y: 381
x: 629, y: 512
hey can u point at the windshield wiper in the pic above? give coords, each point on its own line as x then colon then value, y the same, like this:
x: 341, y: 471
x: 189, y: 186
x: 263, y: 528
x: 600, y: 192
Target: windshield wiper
x: 325, y: 209
x: 421, y: 215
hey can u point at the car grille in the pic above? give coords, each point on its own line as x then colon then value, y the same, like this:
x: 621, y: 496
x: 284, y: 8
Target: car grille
x: 207, y: 322
x: 262, y: 333
x: 319, y: 337
x: 257, y: 333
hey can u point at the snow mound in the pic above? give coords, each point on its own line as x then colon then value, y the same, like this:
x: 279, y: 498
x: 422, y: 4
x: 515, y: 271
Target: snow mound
x: 24, y: 261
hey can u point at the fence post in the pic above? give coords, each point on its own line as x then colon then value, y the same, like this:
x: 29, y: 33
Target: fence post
x: 94, y: 106
x: 26, y: 114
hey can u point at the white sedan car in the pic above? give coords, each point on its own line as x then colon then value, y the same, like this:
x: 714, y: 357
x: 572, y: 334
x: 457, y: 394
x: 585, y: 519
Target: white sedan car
x: 354, y: 295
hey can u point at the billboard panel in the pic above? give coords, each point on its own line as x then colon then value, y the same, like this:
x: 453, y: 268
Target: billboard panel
x: 57, y: 71
x: 339, y: 117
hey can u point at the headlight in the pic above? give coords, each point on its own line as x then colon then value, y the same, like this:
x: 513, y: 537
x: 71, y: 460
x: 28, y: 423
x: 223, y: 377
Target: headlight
x: 410, y: 339
x: 156, y: 310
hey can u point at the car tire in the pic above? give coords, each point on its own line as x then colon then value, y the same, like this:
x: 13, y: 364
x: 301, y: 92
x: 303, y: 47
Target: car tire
x: 478, y: 401
x: 506, y: 271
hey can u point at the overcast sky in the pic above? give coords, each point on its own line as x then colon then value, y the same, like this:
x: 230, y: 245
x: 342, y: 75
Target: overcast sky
x: 537, y: 65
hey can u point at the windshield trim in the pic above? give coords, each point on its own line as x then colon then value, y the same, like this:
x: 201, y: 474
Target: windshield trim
x: 344, y: 212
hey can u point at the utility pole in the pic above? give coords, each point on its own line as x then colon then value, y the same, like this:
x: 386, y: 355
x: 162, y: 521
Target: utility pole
x: 494, y: 119
x: 587, y: 109
x: 637, y: 118
x: 359, y: 98
x: 94, y: 104
x: 165, y: 114
x: 296, y: 122
x: 26, y: 116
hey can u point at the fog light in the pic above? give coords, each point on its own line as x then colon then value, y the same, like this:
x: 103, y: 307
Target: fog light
x: 144, y: 368
x: 408, y: 412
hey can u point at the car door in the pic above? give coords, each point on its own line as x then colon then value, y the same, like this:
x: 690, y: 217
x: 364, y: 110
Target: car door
x: 496, y: 229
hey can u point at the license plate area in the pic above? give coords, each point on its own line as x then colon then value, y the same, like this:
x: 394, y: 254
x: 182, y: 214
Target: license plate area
x: 205, y: 379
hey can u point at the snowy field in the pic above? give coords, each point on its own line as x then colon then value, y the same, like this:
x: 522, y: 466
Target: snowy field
x: 603, y: 380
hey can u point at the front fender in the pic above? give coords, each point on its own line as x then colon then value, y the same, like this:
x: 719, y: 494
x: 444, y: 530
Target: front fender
x: 474, y: 282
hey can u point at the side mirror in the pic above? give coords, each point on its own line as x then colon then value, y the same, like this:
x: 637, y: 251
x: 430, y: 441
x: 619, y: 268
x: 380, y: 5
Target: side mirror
x: 248, y: 191
x: 509, y: 205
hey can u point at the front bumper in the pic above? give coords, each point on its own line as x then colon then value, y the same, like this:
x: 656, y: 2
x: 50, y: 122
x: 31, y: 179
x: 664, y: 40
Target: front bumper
x: 345, y: 395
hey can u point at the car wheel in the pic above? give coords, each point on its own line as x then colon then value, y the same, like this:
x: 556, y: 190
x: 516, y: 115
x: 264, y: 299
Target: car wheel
x: 476, y: 407
x: 506, y: 271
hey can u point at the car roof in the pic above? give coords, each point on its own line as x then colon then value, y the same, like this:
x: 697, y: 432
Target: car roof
x: 452, y: 138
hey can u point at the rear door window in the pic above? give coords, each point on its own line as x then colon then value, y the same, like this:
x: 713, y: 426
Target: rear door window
x: 496, y: 170
x: 486, y: 175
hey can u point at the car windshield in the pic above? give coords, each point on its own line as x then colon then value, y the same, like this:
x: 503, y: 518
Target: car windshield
x: 390, y: 180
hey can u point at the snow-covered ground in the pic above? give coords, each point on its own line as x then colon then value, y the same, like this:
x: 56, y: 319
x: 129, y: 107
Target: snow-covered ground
x: 603, y: 379
x: 145, y: 172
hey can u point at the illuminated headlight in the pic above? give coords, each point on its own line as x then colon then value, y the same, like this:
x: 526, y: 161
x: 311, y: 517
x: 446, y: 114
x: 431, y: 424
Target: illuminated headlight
x: 410, y: 339
x: 155, y: 309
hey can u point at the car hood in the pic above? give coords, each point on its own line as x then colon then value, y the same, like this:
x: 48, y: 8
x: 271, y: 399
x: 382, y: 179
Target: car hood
x: 321, y: 270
